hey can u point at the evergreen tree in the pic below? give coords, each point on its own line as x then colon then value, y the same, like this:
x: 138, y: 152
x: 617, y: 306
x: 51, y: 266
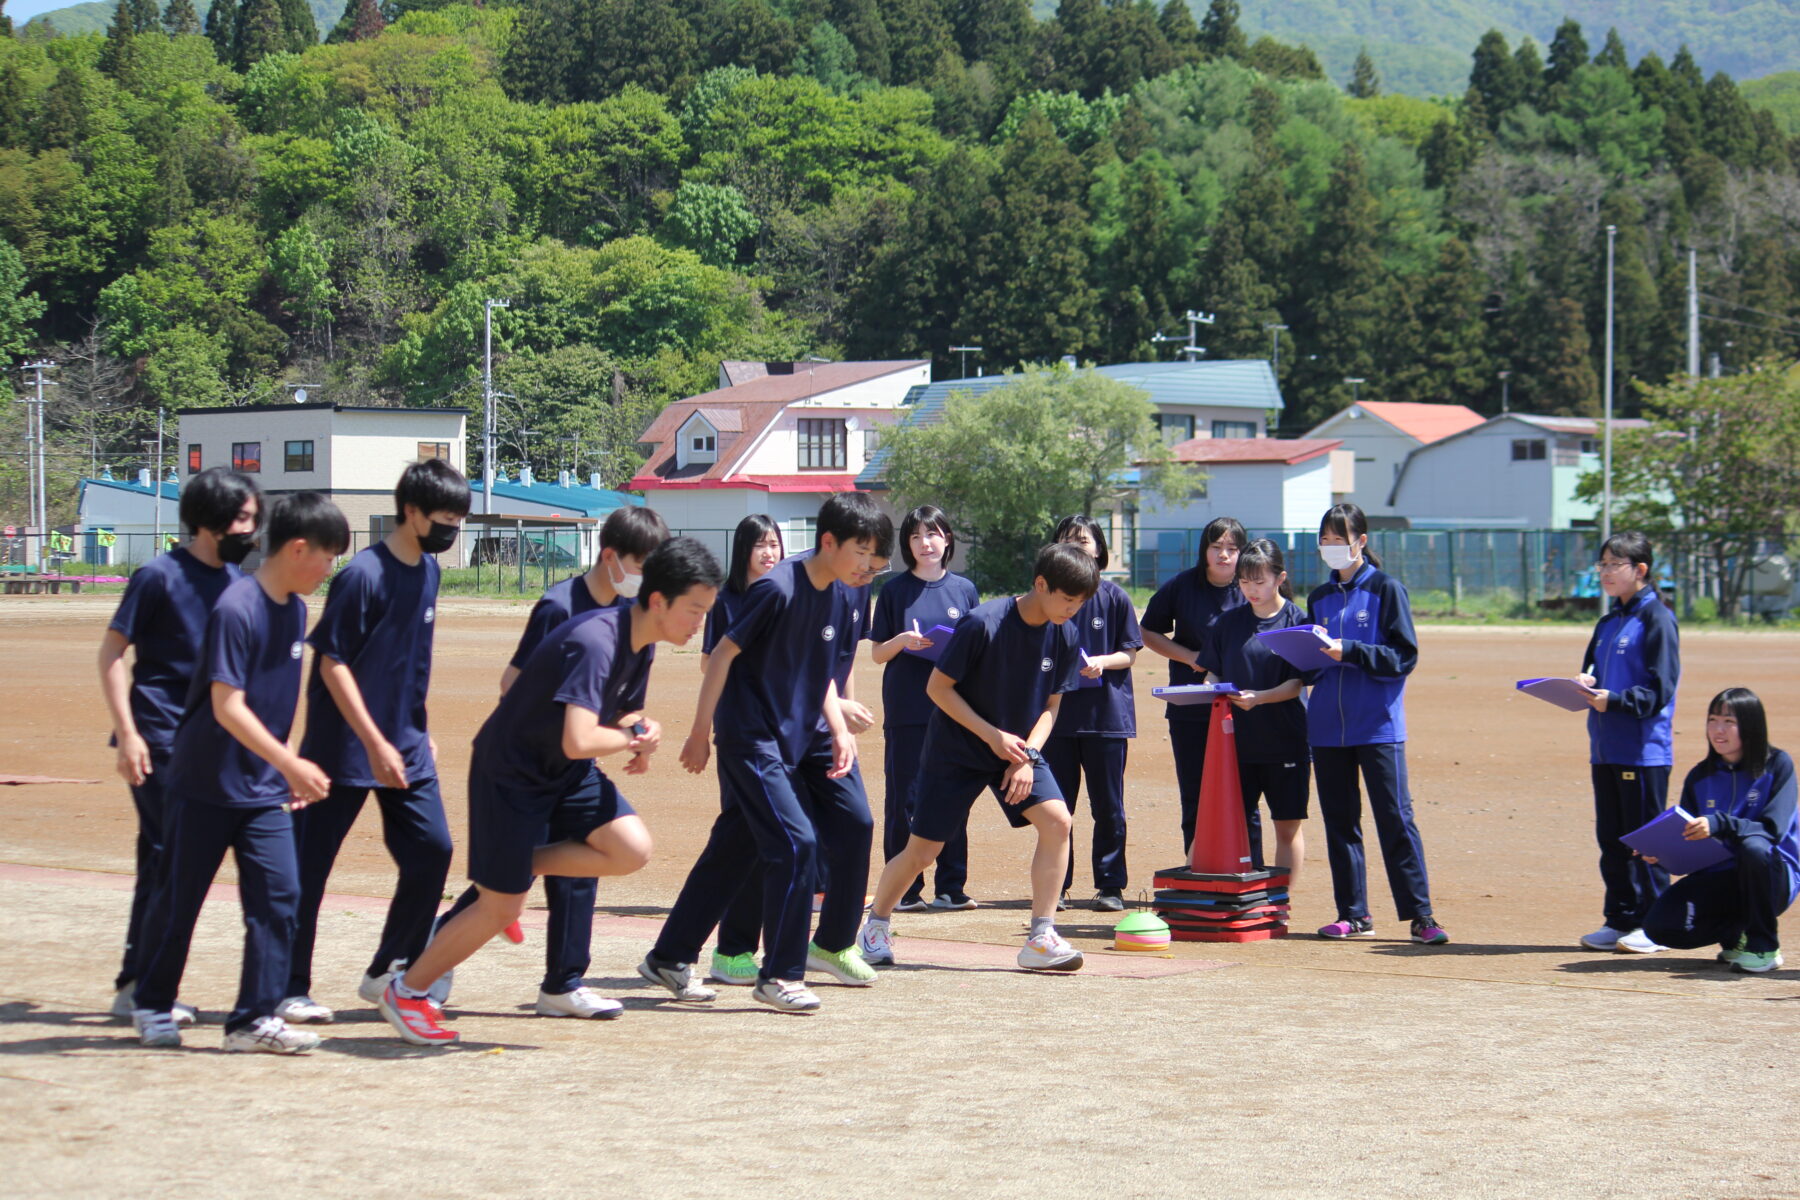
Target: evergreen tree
x: 13, y: 111
x: 368, y: 22
x: 1143, y: 246
x: 221, y: 29
x: 6, y: 25
x: 1530, y: 72
x: 115, y: 54
x: 1180, y: 32
x: 62, y: 115
x: 1450, y: 307
x: 918, y: 35
x: 1494, y: 78
x: 1030, y: 299
x: 545, y: 60
x: 1568, y: 53
x: 1728, y: 131
x: 1134, y: 48
x: 1001, y: 33
x: 1278, y: 60
x: 1236, y: 293
x: 1365, y: 82
x: 1554, y: 373
x: 861, y: 22
x: 1612, y: 54
x: 299, y: 30
x: 1345, y: 310
x: 1220, y: 35
x: 1450, y: 148
x: 1765, y: 298
x: 180, y: 19
x: 1081, y: 32
x: 260, y: 33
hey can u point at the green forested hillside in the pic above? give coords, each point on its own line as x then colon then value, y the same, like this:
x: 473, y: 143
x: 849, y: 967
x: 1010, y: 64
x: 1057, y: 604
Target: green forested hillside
x: 1780, y: 94
x: 659, y: 184
x: 94, y: 16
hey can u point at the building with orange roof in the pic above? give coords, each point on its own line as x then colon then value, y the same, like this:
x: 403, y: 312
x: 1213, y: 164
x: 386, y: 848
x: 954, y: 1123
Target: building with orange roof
x: 1380, y: 434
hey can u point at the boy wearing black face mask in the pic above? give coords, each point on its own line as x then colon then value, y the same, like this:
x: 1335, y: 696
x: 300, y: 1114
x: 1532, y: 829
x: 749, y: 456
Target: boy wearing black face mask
x: 163, y: 617
x: 366, y: 727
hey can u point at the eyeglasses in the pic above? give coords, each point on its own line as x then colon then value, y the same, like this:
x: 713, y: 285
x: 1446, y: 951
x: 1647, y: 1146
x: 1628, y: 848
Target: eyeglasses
x: 1603, y: 566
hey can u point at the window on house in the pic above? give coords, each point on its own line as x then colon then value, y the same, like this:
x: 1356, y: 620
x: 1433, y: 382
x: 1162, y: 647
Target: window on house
x: 1528, y: 449
x: 823, y: 444
x: 434, y: 450
x: 704, y: 443
x: 297, y: 456
x: 802, y: 532
x: 1590, y: 445
x: 1234, y: 429
x: 1175, y: 427
x: 246, y: 457
x: 193, y: 460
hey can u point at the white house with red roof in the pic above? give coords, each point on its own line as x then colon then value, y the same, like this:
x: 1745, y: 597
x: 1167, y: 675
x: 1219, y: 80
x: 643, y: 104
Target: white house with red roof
x: 1380, y: 434
x: 773, y: 437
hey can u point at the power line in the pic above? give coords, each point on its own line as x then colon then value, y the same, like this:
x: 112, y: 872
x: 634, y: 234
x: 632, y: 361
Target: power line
x: 1750, y: 324
x: 1761, y: 312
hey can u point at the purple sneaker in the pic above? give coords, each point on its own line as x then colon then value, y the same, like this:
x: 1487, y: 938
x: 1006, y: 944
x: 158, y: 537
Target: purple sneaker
x: 1427, y: 932
x: 1348, y: 927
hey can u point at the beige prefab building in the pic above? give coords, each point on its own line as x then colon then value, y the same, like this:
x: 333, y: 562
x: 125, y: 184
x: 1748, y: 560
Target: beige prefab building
x: 352, y: 454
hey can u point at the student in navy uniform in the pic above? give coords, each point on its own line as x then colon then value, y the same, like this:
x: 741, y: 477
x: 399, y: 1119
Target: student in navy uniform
x: 740, y: 930
x: 579, y: 698
x: 1174, y: 625
x: 366, y: 727
x: 627, y: 537
x: 1356, y: 722
x: 1273, y: 758
x: 1094, y: 725
x: 928, y: 595
x: 232, y: 781
x: 1741, y: 793
x: 1634, y: 659
x: 163, y: 618
x: 1007, y: 667
x: 793, y: 801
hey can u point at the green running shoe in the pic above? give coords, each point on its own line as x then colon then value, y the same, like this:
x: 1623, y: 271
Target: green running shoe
x: 846, y: 965
x: 1756, y: 964
x: 737, y: 970
x: 1730, y: 954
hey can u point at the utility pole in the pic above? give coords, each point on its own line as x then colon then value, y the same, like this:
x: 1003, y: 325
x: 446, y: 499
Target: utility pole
x: 1612, y: 233
x: 1693, y: 314
x: 1506, y: 391
x: 1192, y: 351
x: 487, y: 395
x: 963, y: 352
x: 1275, y: 332
x: 156, y: 477
x: 1355, y: 388
x: 39, y: 500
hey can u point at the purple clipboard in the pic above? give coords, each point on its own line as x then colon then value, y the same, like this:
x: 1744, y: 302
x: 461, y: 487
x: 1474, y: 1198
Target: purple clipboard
x: 1661, y: 839
x: 1301, y: 645
x: 1082, y: 681
x: 1195, y: 693
x: 1570, y: 694
x: 940, y: 638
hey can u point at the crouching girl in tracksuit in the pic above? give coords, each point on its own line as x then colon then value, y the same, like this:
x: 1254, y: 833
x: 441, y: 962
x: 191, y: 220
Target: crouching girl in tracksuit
x: 1356, y: 722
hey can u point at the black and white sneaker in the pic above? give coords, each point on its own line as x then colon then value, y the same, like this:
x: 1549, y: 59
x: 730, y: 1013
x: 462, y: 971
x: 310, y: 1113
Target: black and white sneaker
x: 786, y: 995
x: 678, y: 978
x: 270, y: 1035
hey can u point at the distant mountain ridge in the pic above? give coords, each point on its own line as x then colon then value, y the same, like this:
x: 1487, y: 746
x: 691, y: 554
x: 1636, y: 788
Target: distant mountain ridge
x: 94, y: 17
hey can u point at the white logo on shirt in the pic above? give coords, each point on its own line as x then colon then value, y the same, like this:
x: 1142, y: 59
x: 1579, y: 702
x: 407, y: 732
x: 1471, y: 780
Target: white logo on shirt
x: 1098, y: 622
x: 1045, y: 665
x: 1753, y: 797
x: 856, y: 616
x: 430, y: 615
x: 294, y: 650
x: 829, y: 633
x: 953, y: 613
x: 1624, y: 641
x: 1362, y: 618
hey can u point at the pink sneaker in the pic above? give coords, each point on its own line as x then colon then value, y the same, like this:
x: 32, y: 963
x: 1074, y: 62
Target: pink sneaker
x: 1348, y: 927
x: 414, y: 1020
x: 514, y: 933
x: 1427, y: 932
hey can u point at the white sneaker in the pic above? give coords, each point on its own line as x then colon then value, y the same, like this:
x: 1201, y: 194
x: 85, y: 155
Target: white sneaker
x: 1603, y: 938
x: 123, y: 1006
x: 270, y: 1035
x: 372, y: 986
x: 1638, y: 942
x: 876, y: 941
x: 156, y: 1029
x: 304, y: 1010
x: 786, y: 995
x: 1049, y: 951
x: 582, y: 1002
x: 679, y: 979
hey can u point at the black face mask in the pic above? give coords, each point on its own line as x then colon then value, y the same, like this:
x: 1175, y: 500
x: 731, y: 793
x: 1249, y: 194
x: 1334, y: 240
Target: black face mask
x: 234, y: 548
x: 440, y: 539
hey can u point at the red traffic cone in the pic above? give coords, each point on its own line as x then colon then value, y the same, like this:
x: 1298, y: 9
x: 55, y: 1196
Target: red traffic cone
x: 1221, y: 839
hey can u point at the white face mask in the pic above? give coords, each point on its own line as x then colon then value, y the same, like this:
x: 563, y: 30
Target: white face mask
x: 626, y: 584
x: 1336, y: 557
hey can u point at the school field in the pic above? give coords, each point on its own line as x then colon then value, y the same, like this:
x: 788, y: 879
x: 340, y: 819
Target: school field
x: 1508, y: 1064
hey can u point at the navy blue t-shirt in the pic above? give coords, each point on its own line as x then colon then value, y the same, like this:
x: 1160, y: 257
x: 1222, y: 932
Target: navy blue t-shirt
x: 1106, y: 624
x: 1268, y: 733
x: 587, y: 662
x: 1007, y: 671
x: 791, y: 637
x: 378, y: 621
x: 1182, y: 610
x: 719, y: 618
x: 904, y: 600
x: 163, y: 615
x: 254, y: 644
x: 561, y: 602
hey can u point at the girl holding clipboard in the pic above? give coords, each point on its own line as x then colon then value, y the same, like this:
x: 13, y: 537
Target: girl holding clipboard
x: 1742, y: 794
x: 1356, y: 722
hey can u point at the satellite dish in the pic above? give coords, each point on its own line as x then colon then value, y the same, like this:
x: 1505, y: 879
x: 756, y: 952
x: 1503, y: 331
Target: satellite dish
x: 299, y: 395
x: 852, y: 424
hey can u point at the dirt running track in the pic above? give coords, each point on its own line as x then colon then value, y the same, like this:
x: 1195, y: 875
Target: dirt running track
x: 1508, y: 1064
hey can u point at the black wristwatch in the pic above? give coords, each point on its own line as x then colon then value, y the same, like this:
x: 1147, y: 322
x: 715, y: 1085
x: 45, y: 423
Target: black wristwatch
x: 1034, y: 756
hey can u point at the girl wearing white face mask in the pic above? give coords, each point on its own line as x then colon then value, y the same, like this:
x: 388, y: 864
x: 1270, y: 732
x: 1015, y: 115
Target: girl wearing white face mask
x: 1356, y: 722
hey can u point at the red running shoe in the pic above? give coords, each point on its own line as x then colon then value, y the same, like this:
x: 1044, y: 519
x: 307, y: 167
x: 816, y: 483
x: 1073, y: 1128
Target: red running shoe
x: 514, y: 933
x: 416, y: 1020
